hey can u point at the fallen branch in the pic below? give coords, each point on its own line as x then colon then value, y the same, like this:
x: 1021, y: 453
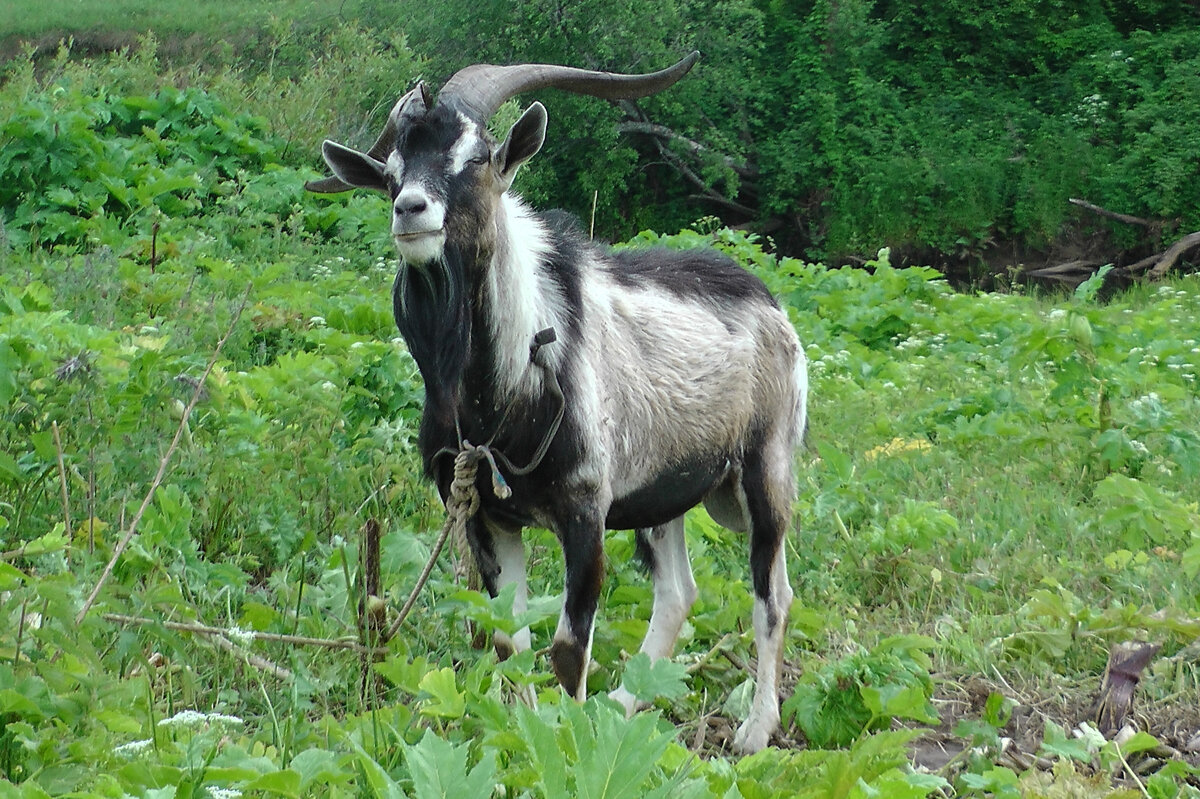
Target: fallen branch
x: 205, y: 629
x: 1126, y: 218
x: 1068, y: 271
x: 162, y: 465
x: 692, y: 146
x: 260, y: 663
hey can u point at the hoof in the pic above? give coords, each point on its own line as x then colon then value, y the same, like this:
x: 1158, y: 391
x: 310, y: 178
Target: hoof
x: 754, y: 735
x: 626, y: 700
x: 567, y: 660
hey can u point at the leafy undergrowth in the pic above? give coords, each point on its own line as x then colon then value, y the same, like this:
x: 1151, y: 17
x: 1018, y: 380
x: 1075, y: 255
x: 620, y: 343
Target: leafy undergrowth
x: 998, y: 488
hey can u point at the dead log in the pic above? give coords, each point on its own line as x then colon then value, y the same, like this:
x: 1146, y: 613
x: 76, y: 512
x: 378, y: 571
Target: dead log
x: 1153, y: 267
x: 1073, y: 272
x: 1161, y: 263
x: 1125, y: 665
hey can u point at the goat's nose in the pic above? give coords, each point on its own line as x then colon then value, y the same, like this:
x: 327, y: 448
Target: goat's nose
x: 410, y: 203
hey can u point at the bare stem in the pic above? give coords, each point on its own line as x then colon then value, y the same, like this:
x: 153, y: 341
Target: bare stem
x: 162, y: 464
x: 62, y: 479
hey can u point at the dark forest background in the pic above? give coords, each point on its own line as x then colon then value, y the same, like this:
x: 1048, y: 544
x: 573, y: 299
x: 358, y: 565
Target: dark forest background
x: 952, y: 132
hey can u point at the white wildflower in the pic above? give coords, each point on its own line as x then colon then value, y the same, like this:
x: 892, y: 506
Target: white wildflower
x: 188, y: 719
x: 223, y: 793
x: 133, y: 748
x: 224, y: 720
x: 328, y: 386
x: 316, y: 321
x: 185, y: 719
x: 240, y: 636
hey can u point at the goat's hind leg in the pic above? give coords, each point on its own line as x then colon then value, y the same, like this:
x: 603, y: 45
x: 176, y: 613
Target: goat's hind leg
x: 664, y: 551
x: 768, y: 487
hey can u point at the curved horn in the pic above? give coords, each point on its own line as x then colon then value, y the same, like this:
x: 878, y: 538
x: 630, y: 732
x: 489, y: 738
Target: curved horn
x: 479, y: 90
x: 383, y: 145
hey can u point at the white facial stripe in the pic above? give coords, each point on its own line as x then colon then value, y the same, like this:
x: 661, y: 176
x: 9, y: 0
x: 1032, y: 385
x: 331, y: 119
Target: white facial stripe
x: 466, y: 146
x: 395, y: 167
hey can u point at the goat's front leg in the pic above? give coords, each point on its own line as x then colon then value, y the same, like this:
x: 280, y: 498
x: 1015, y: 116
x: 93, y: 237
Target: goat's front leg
x: 509, y: 551
x: 582, y: 536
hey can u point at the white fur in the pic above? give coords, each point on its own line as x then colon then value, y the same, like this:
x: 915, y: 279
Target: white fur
x: 469, y: 145
x: 419, y: 235
x: 674, y: 594
x: 673, y: 381
x: 510, y: 554
x: 524, y: 299
x: 394, y: 168
x: 763, y: 720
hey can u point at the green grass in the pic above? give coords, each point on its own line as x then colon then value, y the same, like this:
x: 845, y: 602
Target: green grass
x: 997, y: 488
x: 214, y: 17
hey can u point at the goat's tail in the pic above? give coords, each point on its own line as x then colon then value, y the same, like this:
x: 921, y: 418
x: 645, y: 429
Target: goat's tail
x: 800, y: 411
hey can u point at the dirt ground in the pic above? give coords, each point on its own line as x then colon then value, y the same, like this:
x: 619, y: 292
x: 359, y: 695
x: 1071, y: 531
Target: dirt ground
x: 1175, y: 726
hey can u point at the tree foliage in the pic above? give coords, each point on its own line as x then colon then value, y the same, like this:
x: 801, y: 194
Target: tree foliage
x: 841, y: 125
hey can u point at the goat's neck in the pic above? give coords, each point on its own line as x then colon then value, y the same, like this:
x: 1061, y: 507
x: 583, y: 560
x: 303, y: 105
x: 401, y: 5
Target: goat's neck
x: 516, y: 298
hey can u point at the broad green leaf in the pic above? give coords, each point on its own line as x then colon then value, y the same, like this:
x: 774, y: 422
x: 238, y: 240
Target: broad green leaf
x: 381, y: 783
x: 10, y: 576
x: 1140, y: 742
x: 316, y: 766
x: 285, y: 782
x: 997, y: 709
x: 737, y: 704
x: 624, y: 753
x: 999, y: 781
x: 899, y: 701
x: 445, y: 701
x: 895, y: 784
x: 439, y: 769
x: 117, y: 721
x: 1056, y: 744
x: 649, y: 681
x: 544, y: 749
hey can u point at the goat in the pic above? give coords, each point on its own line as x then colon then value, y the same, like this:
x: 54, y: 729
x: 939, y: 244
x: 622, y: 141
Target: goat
x: 675, y: 377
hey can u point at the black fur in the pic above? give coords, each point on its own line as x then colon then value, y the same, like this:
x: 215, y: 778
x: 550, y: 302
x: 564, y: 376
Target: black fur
x: 669, y: 495
x: 430, y: 305
x: 704, y: 275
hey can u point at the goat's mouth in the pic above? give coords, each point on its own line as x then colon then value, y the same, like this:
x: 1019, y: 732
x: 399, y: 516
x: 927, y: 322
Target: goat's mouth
x: 419, y: 247
x: 418, y: 235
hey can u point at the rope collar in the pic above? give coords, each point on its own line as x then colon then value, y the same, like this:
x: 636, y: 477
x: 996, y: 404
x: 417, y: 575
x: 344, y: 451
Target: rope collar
x: 463, y: 501
x: 469, y: 456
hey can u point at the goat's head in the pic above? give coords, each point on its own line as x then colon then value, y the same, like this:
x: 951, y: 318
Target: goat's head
x: 441, y: 167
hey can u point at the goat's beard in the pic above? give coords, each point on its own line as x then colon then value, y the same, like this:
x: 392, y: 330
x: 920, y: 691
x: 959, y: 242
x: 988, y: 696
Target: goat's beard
x: 431, y: 308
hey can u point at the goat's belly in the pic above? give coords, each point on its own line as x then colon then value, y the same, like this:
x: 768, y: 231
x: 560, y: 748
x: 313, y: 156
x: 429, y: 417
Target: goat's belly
x: 668, y: 495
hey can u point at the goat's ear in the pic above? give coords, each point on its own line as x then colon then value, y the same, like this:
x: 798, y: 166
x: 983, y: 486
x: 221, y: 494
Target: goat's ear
x: 354, y: 168
x: 523, y: 142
